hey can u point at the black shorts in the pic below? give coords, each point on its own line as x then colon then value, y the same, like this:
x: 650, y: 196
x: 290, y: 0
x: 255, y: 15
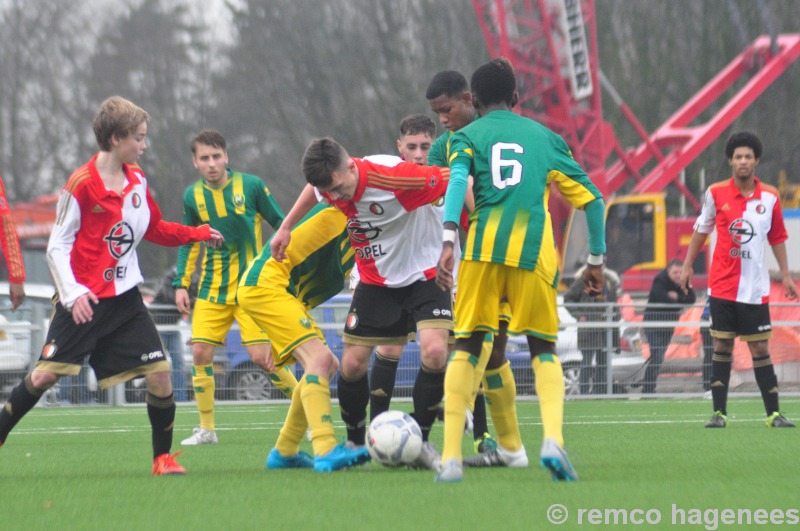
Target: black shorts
x: 386, y: 316
x: 121, y: 341
x: 730, y: 319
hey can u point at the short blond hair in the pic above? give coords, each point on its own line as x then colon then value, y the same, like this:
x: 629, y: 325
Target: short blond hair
x: 117, y: 116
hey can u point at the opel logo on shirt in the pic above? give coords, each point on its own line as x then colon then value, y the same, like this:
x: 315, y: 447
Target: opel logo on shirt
x: 120, y: 239
x: 362, y: 231
x: 741, y: 231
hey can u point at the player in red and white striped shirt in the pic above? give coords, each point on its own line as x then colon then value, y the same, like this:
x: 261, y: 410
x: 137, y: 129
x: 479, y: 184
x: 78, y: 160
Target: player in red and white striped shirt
x: 104, y: 211
x: 747, y: 215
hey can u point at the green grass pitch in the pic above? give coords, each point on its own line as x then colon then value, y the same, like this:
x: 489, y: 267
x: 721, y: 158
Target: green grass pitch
x: 89, y: 468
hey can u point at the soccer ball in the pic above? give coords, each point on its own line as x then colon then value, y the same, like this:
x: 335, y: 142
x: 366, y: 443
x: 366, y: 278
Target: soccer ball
x: 394, y: 439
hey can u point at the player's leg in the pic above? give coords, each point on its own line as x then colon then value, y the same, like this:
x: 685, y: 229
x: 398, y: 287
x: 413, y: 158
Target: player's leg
x: 477, y: 309
x: 131, y: 345
x: 534, y: 313
x: 756, y: 329
x: 353, y: 390
x: 256, y: 341
x: 382, y: 376
x: 723, y: 330
x: 375, y: 318
x: 53, y: 363
x: 210, y: 325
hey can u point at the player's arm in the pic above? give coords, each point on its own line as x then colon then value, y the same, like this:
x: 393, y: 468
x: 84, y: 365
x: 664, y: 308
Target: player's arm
x: 73, y: 296
x: 593, y: 276
x: 12, y: 252
x: 283, y: 235
x: 702, y: 228
x: 171, y: 234
x: 453, y: 205
x: 779, y: 250
x: 268, y: 207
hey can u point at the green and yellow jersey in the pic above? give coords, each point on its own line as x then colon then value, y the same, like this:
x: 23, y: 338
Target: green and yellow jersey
x: 517, y: 160
x: 319, y: 258
x: 236, y: 210
x: 440, y: 149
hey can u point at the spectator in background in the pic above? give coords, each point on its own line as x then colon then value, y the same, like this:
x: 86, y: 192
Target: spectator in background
x: 11, y: 251
x: 663, y: 304
x: 593, y: 342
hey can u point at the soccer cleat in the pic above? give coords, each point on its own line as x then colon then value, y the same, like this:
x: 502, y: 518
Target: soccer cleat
x: 777, y: 420
x: 165, y: 465
x: 428, y: 459
x: 498, y: 457
x: 555, y: 459
x: 200, y: 436
x: 484, y: 444
x: 451, y: 472
x: 299, y: 460
x: 340, y: 457
x: 718, y: 420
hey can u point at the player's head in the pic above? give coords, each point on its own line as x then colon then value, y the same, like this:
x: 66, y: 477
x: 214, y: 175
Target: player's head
x: 744, y: 139
x: 416, y: 137
x: 210, y: 157
x: 327, y: 166
x: 122, y: 125
x: 209, y: 137
x: 494, y: 83
x: 743, y: 150
x: 449, y: 97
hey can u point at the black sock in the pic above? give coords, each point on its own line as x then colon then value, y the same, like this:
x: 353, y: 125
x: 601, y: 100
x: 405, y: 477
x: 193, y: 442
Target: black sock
x: 353, y: 400
x: 161, y: 412
x: 21, y: 400
x: 720, y: 377
x: 479, y: 424
x: 767, y: 383
x: 428, y: 392
x: 381, y: 384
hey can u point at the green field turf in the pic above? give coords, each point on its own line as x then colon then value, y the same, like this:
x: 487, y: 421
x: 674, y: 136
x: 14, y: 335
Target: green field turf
x: 89, y: 468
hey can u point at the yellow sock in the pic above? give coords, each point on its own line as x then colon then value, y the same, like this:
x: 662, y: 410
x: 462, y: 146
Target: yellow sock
x: 204, y: 387
x: 458, y: 383
x: 550, y: 389
x: 315, y: 393
x: 486, y: 352
x: 295, y: 426
x: 283, y: 378
x: 500, y: 391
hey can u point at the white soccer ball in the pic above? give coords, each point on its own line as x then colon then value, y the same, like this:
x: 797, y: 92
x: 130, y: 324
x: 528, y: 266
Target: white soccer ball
x: 394, y: 439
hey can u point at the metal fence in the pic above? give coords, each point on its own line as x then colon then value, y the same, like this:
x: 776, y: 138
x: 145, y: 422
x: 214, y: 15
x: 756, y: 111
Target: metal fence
x: 610, y: 354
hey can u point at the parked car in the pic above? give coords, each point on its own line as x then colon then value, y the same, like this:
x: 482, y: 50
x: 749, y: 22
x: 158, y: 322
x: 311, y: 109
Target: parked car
x: 627, y: 361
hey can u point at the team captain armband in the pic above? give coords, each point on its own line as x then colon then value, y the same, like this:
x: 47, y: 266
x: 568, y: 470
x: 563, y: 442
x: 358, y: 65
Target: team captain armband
x: 449, y: 235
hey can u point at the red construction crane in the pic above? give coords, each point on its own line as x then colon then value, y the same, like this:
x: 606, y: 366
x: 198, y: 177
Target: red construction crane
x: 553, y: 46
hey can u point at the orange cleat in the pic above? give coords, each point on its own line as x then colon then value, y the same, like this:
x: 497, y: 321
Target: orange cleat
x: 165, y: 464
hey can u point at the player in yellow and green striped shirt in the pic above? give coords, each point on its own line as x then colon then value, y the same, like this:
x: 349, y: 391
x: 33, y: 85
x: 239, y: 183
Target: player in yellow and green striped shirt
x: 235, y: 204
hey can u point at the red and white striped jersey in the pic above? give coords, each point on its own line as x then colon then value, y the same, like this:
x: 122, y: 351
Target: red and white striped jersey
x: 738, y: 267
x: 93, y: 243
x: 393, y: 226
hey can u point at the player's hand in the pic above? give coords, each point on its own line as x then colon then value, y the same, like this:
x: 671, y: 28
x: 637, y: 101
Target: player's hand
x: 790, y: 287
x: 593, y: 280
x: 82, y: 311
x: 16, y: 292
x: 183, y: 302
x: 280, y: 241
x: 216, y: 239
x: 444, y: 268
x: 687, y: 272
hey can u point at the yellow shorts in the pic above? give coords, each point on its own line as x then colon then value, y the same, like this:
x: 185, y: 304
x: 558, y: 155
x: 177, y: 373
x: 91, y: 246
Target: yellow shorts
x: 282, y: 316
x: 531, y: 301
x: 211, y: 323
